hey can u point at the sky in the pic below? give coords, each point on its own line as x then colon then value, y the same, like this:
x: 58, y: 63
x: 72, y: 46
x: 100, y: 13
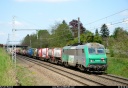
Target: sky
x: 43, y: 14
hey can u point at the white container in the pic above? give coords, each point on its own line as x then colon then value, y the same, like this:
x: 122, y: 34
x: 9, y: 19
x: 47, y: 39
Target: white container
x: 50, y: 52
x: 43, y: 52
x: 55, y: 52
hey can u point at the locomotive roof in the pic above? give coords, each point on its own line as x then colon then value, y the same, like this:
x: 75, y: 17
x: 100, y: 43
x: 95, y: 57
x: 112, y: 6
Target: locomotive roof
x: 94, y: 45
x: 82, y: 46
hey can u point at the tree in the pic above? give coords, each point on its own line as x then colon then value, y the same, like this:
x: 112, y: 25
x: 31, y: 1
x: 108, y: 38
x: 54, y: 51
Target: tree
x: 96, y: 32
x: 43, y: 38
x: 105, y: 34
x: 84, y: 38
x: 60, y: 35
x: 120, y: 42
x: 26, y: 40
x: 117, y: 31
x: 74, y: 27
x: 104, y: 31
x: 64, y: 22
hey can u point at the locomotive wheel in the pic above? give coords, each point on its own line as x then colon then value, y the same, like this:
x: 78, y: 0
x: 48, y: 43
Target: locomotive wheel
x: 81, y: 67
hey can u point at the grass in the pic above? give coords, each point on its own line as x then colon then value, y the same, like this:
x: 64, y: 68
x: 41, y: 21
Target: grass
x: 25, y: 76
x: 7, y: 74
x: 118, y: 66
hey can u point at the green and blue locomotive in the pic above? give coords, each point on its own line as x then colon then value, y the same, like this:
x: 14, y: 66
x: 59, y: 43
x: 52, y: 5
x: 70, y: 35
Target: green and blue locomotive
x: 90, y: 57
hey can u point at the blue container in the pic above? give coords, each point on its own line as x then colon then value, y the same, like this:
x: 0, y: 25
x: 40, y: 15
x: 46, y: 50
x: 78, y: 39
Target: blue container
x: 30, y: 52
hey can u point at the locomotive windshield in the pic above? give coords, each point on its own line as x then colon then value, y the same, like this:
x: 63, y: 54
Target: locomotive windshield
x: 96, y: 50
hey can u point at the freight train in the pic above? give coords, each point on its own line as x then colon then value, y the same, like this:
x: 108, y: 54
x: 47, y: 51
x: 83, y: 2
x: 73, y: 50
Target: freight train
x: 89, y: 57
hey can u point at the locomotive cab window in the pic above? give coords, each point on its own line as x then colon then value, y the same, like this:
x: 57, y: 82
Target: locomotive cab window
x: 100, y: 50
x: 92, y: 51
x: 96, y: 50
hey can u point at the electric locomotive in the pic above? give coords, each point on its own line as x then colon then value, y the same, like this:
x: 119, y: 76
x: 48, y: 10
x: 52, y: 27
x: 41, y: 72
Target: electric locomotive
x: 90, y: 57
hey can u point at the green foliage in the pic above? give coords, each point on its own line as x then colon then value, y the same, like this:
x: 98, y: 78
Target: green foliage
x: 7, y: 75
x: 26, y: 40
x: 104, y: 31
x: 105, y: 34
x: 118, y: 66
x: 59, y: 37
x: 111, y: 53
x: 97, y: 39
x: 117, y: 31
x: 119, y: 42
x: 32, y: 41
x: 96, y: 32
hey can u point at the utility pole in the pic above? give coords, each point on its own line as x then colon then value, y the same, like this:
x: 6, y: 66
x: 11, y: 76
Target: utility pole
x: 30, y: 40
x: 8, y: 43
x: 14, y: 47
x: 78, y: 30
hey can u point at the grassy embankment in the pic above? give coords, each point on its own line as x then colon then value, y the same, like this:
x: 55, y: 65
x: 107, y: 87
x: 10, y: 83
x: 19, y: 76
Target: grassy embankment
x: 25, y: 76
x: 118, y: 66
x: 8, y: 73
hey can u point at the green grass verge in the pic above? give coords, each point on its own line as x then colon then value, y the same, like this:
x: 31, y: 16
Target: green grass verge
x: 118, y: 66
x: 25, y: 76
x: 7, y: 74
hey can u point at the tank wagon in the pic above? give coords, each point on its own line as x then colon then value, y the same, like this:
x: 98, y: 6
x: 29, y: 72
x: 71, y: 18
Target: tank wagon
x: 55, y: 55
x: 90, y: 57
x: 42, y: 53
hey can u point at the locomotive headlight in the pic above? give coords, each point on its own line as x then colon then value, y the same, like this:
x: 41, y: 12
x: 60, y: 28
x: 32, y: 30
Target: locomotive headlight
x: 102, y: 59
x: 91, y: 60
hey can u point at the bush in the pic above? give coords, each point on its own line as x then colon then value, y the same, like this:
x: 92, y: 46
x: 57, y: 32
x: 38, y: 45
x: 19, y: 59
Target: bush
x: 111, y: 53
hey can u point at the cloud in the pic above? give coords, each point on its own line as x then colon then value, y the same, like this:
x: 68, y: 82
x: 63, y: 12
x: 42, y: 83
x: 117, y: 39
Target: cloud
x: 50, y: 1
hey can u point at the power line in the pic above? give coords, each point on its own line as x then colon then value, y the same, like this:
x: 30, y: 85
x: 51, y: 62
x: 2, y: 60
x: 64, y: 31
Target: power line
x: 106, y: 17
x: 31, y: 22
x: 111, y: 23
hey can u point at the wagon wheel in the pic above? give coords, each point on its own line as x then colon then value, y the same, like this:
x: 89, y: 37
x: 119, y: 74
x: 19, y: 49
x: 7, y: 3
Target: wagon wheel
x: 66, y: 64
x: 56, y: 61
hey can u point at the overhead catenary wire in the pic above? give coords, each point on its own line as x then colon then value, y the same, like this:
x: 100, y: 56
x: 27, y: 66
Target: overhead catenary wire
x: 112, y: 23
x: 106, y: 17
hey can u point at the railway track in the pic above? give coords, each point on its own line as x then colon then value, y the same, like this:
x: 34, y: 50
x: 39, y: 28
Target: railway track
x: 124, y: 81
x: 85, y: 79
x: 77, y: 78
